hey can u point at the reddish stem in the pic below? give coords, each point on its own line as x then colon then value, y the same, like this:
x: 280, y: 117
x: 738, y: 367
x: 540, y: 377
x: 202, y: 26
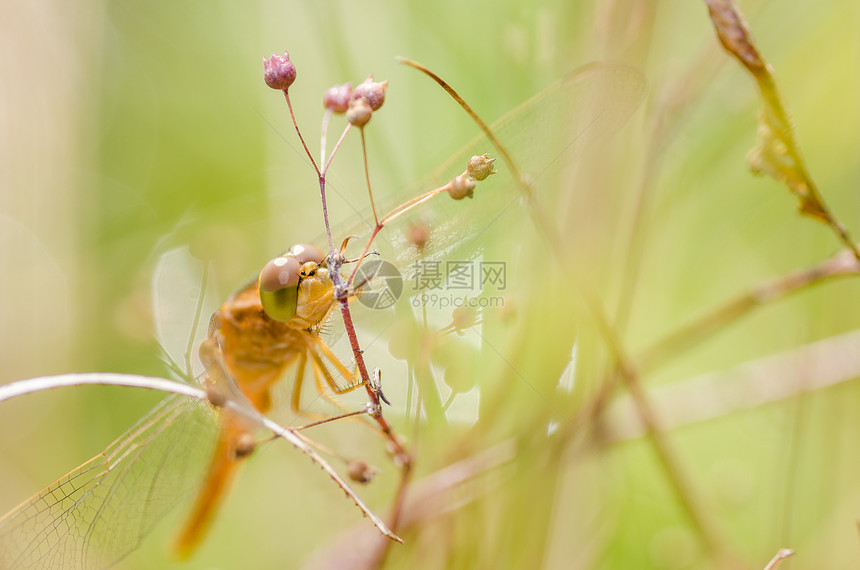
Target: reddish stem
x: 373, y: 235
x: 399, y: 210
x: 299, y: 132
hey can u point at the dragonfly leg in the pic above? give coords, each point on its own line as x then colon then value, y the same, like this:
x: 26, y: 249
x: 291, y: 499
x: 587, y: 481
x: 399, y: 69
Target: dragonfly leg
x: 316, y: 367
x: 297, y: 383
x: 354, y: 381
x: 350, y: 375
x: 320, y: 373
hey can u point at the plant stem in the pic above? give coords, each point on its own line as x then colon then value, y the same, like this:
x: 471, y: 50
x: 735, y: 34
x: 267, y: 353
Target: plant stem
x: 841, y: 265
x: 32, y: 385
x: 299, y: 132
x: 324, y: 134
x: 367, y: 177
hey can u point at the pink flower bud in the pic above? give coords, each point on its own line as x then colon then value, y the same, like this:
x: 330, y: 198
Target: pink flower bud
x: 279, y: 72
x: 337, y: 98
x: 359, y: 112
x: 373, y: 92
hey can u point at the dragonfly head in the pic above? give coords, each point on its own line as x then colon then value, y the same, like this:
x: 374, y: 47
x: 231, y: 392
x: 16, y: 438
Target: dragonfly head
x: 315, y: 294
x: 280, y: 279
x: 308, y: 269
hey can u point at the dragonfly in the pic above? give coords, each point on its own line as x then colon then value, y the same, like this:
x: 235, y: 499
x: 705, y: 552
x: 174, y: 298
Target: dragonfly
x: 98, y: 513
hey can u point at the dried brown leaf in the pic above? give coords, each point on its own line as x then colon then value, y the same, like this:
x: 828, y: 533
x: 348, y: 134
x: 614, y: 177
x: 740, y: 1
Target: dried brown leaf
x: 776, y: 153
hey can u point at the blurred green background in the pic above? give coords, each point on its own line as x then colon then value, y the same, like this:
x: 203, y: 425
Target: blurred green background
x: 128, y: 126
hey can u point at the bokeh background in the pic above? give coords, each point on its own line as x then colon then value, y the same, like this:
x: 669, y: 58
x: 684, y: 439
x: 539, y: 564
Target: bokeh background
x: 131, y: 127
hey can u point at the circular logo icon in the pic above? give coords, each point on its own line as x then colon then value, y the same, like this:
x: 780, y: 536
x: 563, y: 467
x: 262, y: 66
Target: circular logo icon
x: 380, y: 284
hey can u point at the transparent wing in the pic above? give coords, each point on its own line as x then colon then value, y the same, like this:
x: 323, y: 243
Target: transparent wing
x: 98, y: 513
x: 183, y: 300
x: 542, y: 134
x: 468, y: 237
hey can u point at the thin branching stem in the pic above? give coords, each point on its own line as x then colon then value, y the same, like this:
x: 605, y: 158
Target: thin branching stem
x: 336, y: 148
x: 688, y: 335
x: 325, y: 215
x: 367, y: 176
x: 399, y: 502
x: 33, y: 385
x: 299, y: 132
x: 412, y: 203
x: 718, y: 319
x: 342, y: 296
x: 666, y: 453
x: 361, y: 257
x: 488, y: 132
x: 323, y: 134
x: 331, y: 419
x: 385, y: 427
x: 388, y: 218
x: 391, y: 216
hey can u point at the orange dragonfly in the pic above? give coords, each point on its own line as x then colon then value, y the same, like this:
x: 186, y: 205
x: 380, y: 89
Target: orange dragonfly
x: 99, y: 513
x: 267, y: 326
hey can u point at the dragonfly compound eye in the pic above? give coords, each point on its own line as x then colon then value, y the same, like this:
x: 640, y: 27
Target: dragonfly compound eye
x: 305, y: 252
x: 278, y: 284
